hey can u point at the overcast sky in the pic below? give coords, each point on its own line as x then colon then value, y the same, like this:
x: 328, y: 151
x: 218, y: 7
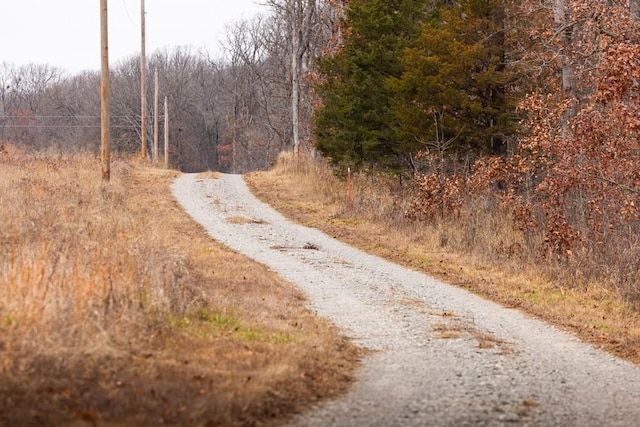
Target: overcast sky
x: 66, y: 33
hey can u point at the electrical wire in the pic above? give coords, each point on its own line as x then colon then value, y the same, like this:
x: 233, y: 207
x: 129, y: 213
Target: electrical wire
x: 60, y: 117
x: 126, y: 9
x: 61, y: 127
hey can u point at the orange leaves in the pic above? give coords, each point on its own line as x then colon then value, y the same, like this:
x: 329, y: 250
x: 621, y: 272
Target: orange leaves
x: 619, y: 74
x: 581, y: 147
x: 575, y: 175
x: 560, y: 236
x: 438, y: 195
x: 629, y: 211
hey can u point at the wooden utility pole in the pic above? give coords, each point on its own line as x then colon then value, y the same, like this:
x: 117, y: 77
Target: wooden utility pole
x: 349, y: 193
x: 143, y: 82
x: 104, y: 94
x: 155, y: 118
x: 166, y: 134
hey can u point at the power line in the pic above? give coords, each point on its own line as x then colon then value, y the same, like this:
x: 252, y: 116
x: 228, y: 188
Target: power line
x: 59, y: 117
x: 126, y: 9
x: 61, y: 127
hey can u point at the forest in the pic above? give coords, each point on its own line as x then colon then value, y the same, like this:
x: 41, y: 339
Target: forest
x: 527, y: 109
x: 229, y: 111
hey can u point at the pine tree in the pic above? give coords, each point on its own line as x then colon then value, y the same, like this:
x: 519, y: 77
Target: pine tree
x: 356, y: 121
x: 454, y: 89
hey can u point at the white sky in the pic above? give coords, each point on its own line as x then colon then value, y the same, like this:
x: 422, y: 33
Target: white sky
x: 66, y: 33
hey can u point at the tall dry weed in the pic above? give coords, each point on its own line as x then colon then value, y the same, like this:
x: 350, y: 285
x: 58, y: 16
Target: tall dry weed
x: 439, y: 216
x: 374, y: 195
x: 76, y: 262
x: 469, y: 216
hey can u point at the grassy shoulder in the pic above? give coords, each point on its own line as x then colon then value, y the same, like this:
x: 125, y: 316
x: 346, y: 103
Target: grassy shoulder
x: 308, y: 193
x: 117, y: 309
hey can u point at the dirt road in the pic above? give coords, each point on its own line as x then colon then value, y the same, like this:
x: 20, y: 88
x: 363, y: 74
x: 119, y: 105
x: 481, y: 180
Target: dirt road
x: 441, y: 356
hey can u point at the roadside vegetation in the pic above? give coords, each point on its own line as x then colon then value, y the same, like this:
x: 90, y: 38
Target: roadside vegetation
x: 480, y: 249
x: 497, y: 148
x: 493, y: 144
x: 117, y: 309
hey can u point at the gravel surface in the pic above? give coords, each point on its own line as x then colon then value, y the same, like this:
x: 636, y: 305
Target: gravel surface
x: 442, y: 356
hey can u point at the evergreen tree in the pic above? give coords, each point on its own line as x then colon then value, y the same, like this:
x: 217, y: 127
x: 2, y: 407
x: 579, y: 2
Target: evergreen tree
x: 356, y: 121
x: 453, y: 91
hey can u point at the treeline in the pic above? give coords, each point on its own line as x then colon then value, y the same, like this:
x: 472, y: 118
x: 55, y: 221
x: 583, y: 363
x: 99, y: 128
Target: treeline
x: 530, y: 106
x: 523, y: 108
x: 415, y: 77
x: 234, y: 112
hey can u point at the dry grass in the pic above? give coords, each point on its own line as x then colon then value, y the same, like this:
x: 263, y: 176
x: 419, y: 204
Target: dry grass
x: 117, y: 309
x: 209, y: 175
x: 240, y: 220
x: 481, y: 252
x: 453, y: 327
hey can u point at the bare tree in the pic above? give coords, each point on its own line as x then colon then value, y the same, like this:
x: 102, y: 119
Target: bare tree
x: 565, y: 29
x: 260, y: 74
x: 7, y: 76
x: 24, y: 92
x: 74, y: 107
x: 125, y: 105
x: 302, y: 23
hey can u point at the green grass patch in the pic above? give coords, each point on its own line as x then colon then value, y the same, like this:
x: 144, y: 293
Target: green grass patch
x: 219, y: 320
x: 208, y: 324
x: 601, y: 327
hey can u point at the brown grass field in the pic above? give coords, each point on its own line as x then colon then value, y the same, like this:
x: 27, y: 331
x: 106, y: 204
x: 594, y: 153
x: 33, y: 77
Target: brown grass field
x: 117, y: 309
x: 476, y: 255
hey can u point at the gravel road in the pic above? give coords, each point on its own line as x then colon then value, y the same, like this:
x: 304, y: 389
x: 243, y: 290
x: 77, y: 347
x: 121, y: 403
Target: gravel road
x: 442, y: 356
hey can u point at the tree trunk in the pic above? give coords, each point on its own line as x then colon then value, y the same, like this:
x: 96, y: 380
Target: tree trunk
x: 297, y: 45
x: 634, y: 9
x: 295, y: 77
x: 565, y: 28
